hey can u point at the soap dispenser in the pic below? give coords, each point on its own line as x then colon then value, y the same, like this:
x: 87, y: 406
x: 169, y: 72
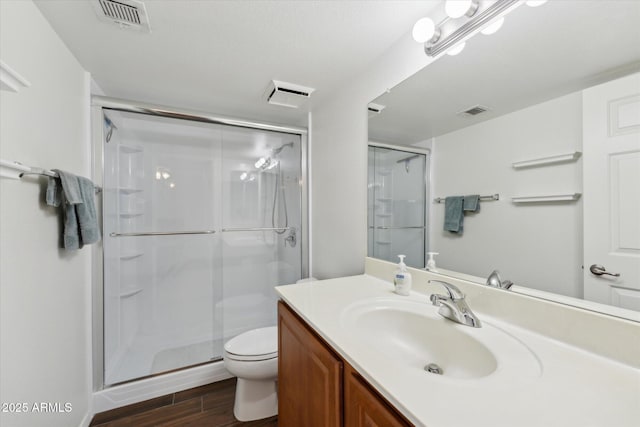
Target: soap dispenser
x: 431, y: 263
x: 402, y: 278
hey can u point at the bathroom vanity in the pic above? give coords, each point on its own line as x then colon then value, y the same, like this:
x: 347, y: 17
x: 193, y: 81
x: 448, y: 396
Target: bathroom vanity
x: 353, y: 353
x: 308, y: 366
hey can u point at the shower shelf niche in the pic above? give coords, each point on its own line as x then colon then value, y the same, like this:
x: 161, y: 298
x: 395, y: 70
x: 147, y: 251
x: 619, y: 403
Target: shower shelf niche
x: 129, y: 190
x: 130, y: 149
x: 131, y: 255
x: 130, y: 214
x: 130, y: 293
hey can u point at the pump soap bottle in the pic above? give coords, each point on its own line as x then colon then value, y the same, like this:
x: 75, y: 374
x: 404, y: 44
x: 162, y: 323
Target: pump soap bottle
x: 402, y: 278
x: 431, y: 263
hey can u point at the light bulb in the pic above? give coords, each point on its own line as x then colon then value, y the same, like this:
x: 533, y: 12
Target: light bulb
x: 535, y: 3
x: 493, y: 27
x: 456, y: 49
x: 243, y: 176
x: 457, y: 8
x: 260, y: 163
x: 423, y: 30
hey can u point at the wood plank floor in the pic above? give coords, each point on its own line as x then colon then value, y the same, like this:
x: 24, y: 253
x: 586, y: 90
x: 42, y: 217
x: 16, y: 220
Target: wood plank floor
x: 207, y: 406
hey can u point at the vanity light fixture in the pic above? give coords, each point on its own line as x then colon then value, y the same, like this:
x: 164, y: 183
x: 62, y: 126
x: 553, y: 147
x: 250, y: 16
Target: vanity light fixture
x: 463, y: 19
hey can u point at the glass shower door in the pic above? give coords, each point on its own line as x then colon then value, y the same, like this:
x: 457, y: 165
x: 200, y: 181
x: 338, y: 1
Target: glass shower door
x: 201, y: 221
x: 261, y: 224
x: 397, y: 205
x: 162, y: 262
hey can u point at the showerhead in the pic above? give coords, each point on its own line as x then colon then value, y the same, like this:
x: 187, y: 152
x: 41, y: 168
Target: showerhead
x: 277, y: 151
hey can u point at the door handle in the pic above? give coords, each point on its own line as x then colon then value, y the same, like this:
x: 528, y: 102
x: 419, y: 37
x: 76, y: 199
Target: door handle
x: 599, y: 270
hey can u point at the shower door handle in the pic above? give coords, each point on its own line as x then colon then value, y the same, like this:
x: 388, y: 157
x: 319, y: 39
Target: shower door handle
x: 161, y: 233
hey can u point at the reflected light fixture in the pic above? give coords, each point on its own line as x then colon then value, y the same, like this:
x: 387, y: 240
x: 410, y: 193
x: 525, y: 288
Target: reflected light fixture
x: 464, y: 19
x: 493, y: 27
x: 261, y: 163
x: 458, y: 8
x: 424, y: 30
x: 456, y: 49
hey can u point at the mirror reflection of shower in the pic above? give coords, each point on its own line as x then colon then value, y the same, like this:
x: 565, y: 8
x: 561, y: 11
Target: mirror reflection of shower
x: 279, y: 196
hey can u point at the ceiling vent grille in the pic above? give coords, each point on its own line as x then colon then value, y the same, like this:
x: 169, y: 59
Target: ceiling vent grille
x: 125, y: 13
x: 287, y: 94
x: 374, y: 109
x: 473, y: 111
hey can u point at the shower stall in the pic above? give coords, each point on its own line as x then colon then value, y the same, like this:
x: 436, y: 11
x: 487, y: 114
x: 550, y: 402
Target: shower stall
x: 202, y: 217
x: 397, y: 203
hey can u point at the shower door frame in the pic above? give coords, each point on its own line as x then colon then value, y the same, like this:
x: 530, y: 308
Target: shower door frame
x: 427, y: 189
x: 100, y: 104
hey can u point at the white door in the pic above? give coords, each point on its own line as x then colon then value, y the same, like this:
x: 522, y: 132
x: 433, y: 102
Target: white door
x: 611, y: 126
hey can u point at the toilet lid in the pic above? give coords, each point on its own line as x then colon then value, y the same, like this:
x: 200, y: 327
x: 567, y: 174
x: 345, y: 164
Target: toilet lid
x: 257, y: 344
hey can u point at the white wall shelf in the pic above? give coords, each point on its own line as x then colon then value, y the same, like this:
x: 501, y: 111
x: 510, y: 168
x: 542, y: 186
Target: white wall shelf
x: 547, y: 199
x: 10, y: 80
x: 561, y: 158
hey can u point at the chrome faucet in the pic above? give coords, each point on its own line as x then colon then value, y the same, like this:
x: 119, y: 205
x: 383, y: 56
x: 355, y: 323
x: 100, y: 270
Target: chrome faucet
x: 453, y: 306
x: 495, y: 281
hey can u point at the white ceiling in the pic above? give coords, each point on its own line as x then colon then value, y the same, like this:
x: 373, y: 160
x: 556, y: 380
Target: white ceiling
x: 539, y: 54
x: 218, y: 56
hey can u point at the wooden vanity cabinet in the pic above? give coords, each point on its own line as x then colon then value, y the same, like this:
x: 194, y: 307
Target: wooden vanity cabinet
x: 364, y: 407
x: 309, y: 376
x: 317, y: 388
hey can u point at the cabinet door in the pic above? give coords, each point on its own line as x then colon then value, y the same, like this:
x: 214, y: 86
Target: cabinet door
x: 364, y: 408
x: 309, y: 376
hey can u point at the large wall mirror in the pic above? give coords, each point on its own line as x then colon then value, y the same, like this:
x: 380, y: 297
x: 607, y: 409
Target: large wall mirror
x: 558, y: 142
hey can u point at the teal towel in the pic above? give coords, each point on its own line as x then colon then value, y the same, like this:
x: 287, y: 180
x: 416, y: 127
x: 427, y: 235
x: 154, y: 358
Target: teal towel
x: 472, y: 203
x: 76, y: 194
x: 453, y: 214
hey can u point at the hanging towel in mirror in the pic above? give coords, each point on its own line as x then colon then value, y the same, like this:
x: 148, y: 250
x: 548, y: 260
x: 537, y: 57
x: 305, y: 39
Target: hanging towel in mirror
x: 453, y: 214
x: 472, y: 203
x: 76, y: 195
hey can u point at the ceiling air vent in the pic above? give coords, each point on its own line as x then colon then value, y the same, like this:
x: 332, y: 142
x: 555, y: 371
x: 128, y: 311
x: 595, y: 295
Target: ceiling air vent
x: 287, y: 94
x: 374, y: 109
x: 473, y: 111
x: 126, y: 13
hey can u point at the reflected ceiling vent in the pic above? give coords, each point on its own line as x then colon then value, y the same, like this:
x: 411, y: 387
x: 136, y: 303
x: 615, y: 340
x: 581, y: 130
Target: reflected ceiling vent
x: 287, y: 94
x: 374, y: 109
x: 125, y: 13
x: 473, y: 111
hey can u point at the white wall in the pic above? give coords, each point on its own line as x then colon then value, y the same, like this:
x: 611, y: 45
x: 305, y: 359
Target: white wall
x: 535, y: 245
x: 45, y: 339
x: 339, y: 161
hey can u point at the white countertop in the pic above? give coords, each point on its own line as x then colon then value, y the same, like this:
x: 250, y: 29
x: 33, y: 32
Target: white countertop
x: 572, y: 387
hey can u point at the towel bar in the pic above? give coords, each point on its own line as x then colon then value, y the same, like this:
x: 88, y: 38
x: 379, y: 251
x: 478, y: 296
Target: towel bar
x: 17, y: 170
x: 484, y: 198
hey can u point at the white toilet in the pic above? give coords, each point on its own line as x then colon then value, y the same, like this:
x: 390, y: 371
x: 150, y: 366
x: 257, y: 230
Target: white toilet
x: 253, y: 357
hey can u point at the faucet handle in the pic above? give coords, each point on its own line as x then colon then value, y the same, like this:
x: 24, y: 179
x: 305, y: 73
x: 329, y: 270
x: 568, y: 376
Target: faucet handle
x: 453, y: 291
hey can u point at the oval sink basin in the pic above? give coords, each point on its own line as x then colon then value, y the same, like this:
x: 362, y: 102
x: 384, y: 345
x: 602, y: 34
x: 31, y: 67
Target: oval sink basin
x: 413, y: 335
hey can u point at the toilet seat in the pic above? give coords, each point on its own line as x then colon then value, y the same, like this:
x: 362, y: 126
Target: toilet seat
x: 254, y: 345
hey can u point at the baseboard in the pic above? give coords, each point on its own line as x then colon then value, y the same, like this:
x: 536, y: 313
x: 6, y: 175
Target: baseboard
x: 139, y: 391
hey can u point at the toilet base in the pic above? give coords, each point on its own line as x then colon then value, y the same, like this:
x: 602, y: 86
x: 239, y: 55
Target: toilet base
x: 255, y: 399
